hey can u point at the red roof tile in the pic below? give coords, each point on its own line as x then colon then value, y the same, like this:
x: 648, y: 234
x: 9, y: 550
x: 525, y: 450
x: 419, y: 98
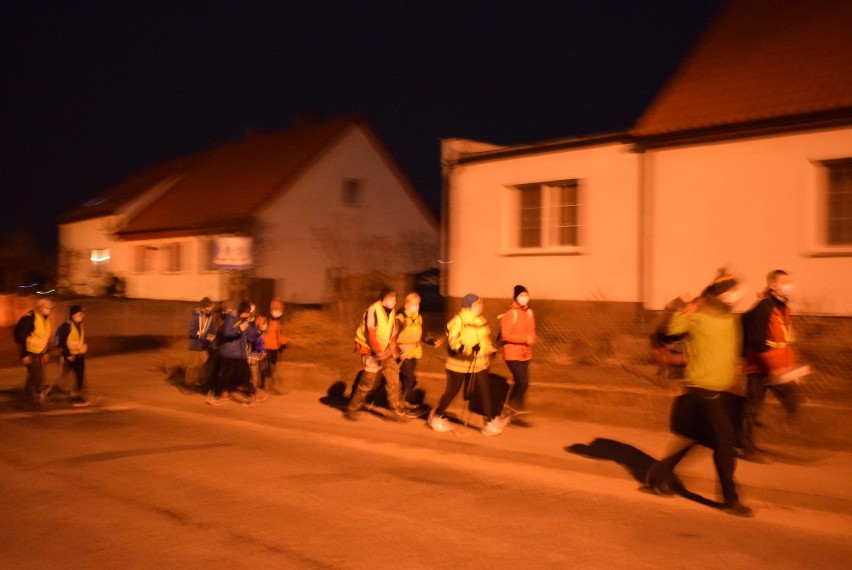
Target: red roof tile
x: 761, y: 61
x: 222, y: 188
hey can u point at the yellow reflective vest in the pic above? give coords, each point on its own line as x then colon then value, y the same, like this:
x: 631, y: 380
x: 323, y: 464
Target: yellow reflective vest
x: 410, y: 334
x: 464, y: 331
x: 76, y: 339
x: 384, y: 328
x: 37, y: 341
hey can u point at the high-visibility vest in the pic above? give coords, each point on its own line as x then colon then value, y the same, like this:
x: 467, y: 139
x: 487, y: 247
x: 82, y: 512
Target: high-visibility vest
x: 76, y: 339
x: 466, y: 329
x: 384, y: 327
x: 37, y: 341
x: 411, y: 332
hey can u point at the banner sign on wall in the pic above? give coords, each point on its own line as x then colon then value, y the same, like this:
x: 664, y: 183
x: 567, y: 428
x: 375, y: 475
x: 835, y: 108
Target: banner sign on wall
x: 232, y: 253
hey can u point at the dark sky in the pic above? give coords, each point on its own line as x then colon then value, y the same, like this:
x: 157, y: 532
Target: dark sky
x: 94, y: 91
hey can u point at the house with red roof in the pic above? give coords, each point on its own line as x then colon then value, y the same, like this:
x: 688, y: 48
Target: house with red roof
x: 301, y: 210
x: 743, y: 159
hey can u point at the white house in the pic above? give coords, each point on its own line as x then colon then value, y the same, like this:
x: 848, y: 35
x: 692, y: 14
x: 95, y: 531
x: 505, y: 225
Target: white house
x: 309, y: 208
x: 744, y: 158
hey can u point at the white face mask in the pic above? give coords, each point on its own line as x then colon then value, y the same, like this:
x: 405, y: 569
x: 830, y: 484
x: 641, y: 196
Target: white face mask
x: 413, y: 309
x: 523, y: 300
x: 786, y: 290
x: 276, y: 314
x: 389, y: 302
x: 78, y: 318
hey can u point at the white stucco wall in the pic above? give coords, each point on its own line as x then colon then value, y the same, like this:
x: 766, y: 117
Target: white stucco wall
x: 308, y: 229
x: 481, y: 219
x: 755, y: 204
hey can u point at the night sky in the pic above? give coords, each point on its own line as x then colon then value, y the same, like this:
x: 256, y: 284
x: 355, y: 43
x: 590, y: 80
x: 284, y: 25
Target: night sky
x: 94, y: 91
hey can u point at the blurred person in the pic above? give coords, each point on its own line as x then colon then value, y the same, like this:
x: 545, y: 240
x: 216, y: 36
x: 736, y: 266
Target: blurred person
x: 202, y: 335
x: 517, y: 334
x: 375, y: 341
x: 71, y: 340
x: 470, y: 350
x: 706, y: 412
x: 32, y: 333
x: 770, y: 358
x: 258, y: 360
x: 236, y: 335
x: 410, y: 337
x: 275, y: 342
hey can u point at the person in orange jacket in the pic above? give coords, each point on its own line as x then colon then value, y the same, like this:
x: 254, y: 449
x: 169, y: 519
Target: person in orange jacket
x: 770, y: 358
x: 275, y: 341
x: 517, y: 333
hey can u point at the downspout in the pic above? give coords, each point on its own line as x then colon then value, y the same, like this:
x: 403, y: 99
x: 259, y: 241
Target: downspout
x: 645, y: 241
x: 447, y: 164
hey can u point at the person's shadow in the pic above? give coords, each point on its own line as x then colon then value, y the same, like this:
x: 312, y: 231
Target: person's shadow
x: 636, y: 462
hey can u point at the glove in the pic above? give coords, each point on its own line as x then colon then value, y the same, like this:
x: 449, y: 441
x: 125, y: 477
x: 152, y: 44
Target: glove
x: 476, y: 348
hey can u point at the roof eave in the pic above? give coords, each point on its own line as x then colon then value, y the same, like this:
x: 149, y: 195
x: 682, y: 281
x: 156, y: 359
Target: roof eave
x: 747, y: 129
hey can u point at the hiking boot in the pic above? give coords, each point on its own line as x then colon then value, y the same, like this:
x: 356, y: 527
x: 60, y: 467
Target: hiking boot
x: 438, y: 422
x: 494, y: 427
x: 737, y: 509
x: 351, y: 415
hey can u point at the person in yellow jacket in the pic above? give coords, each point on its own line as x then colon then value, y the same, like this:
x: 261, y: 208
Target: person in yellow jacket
x: 71, y: 340
x: 410, y: 338
x: 375, y: 340
x: 470, y: 351
x: 32, y: 333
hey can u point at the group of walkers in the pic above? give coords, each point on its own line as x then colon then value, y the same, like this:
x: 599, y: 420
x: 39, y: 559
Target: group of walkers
x: 709, y: 412
x: 34, y: 335
x: 390, y: 343
x: 233, y: 352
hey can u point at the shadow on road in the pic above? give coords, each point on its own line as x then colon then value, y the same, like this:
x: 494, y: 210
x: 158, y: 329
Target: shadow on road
x: 636, y: 461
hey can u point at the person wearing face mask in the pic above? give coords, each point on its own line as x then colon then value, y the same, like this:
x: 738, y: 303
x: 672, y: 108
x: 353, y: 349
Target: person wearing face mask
x: 410, y: 337
x: 275, y: 342
x: 517, y: 333
x: 470, y: 352
x: 375, y: 341
x: 705, y: 413
x: 237, y: 334
x: 770, y: 358
x: 71, y: 340
x: 32, y: 333
x: 202, y: 334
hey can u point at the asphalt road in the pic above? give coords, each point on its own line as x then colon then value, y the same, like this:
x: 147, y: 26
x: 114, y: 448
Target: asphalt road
x: 169, y: 482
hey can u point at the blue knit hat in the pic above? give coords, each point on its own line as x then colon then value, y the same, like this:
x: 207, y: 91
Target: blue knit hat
x: 468, y: 300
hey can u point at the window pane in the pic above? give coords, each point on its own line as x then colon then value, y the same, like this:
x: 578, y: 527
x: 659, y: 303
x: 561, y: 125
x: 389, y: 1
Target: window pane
x: 839, y: 220
x: 565, y: 217
x: 530, y: 222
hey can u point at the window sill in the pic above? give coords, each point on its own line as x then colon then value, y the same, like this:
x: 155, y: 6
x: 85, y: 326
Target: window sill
x: 530, y: 252
x: 840, y: 251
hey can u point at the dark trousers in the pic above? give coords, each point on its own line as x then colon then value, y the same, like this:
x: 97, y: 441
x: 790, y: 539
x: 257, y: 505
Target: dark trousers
x: 705, y: 417
x: 520, y: 370
x: 234, y: 374
x: 35, y: 376
x: 455, y: 381
x: 78, y: 367
x: 407, y: 378
x: 788, y: 394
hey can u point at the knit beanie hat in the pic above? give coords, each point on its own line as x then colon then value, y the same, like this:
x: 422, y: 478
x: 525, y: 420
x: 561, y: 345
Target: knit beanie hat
x: 518, y: 290
x: 75, y: 309
x: 468, y: 300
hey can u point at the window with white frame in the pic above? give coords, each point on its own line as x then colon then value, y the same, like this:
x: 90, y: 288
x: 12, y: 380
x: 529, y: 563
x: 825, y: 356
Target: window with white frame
x: 172, y: 258
x: 548, y: 215
x: 838, y: 222
x: 352, y: 192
